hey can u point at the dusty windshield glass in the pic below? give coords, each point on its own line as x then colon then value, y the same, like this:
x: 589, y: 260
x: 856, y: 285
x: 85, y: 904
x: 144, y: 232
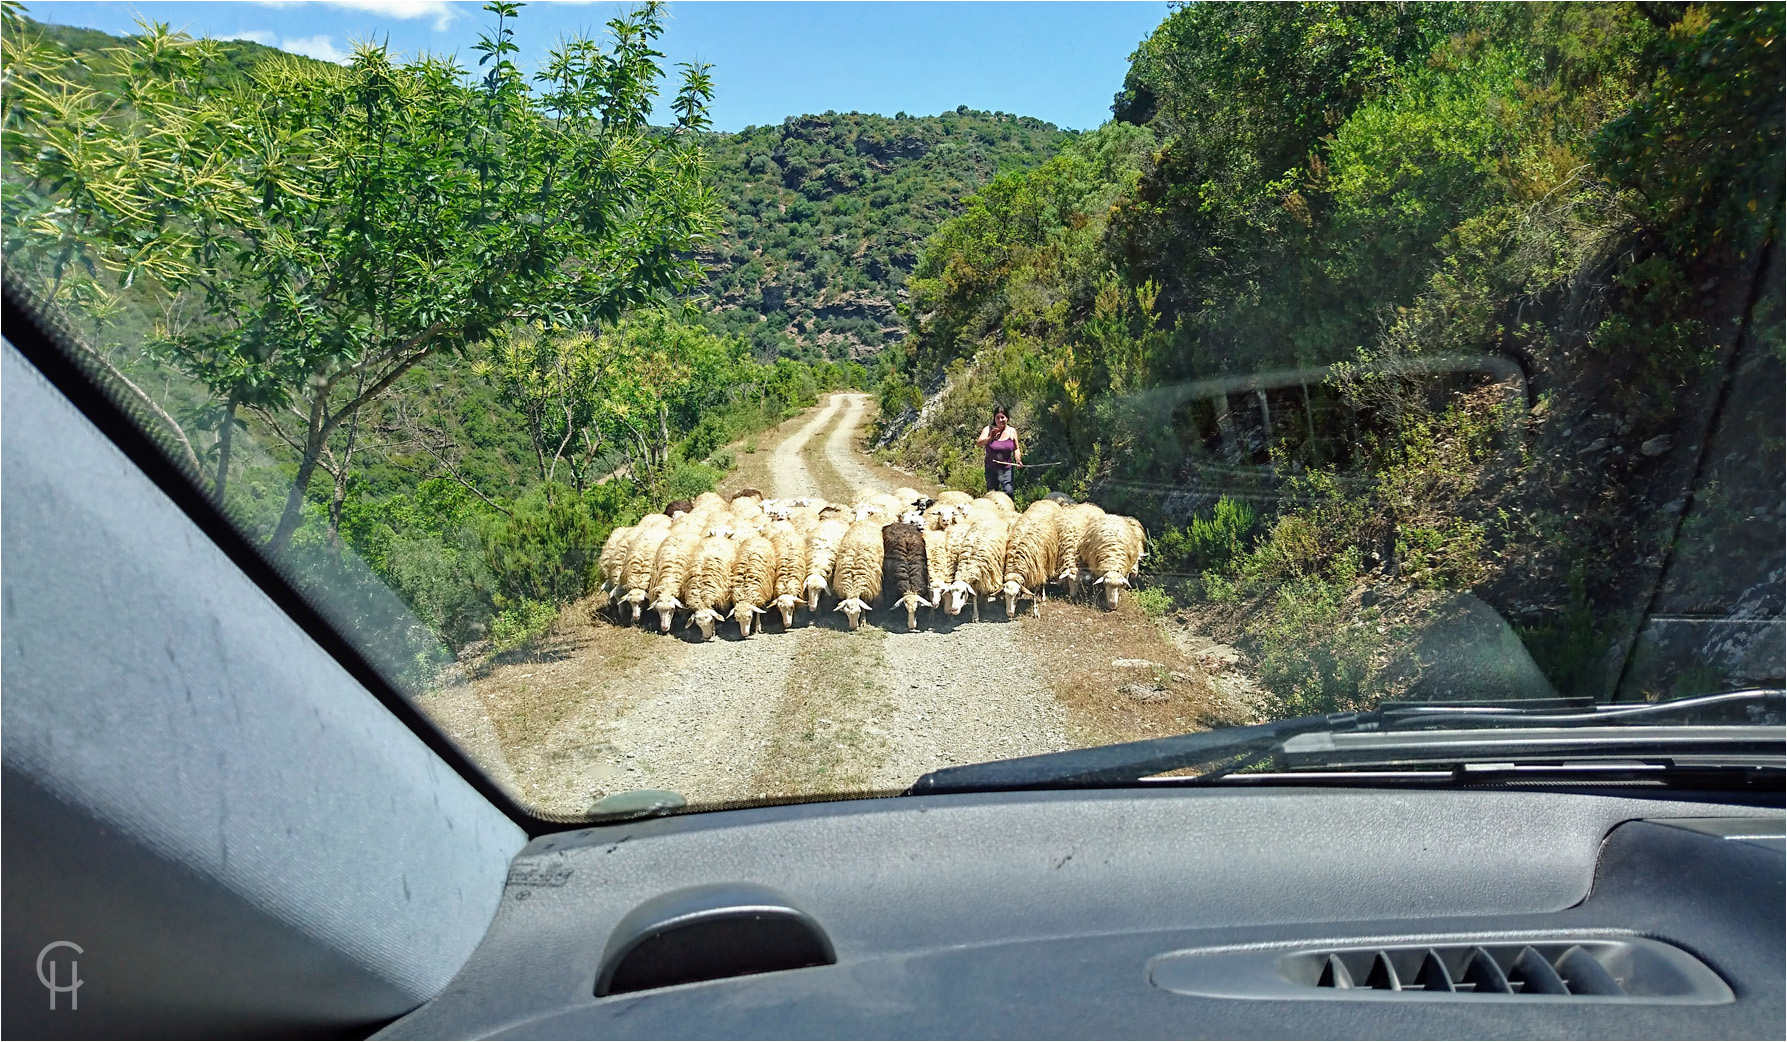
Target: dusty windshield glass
x: 1353, y: 356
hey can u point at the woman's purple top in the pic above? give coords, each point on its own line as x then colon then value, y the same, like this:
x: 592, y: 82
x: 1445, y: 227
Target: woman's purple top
x: 1000, y: 451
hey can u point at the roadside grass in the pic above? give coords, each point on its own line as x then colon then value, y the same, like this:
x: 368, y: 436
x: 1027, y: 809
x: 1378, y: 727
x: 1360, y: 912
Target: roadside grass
x: 828, y: 740
x: 1077, y: 645
x: 585, y: 664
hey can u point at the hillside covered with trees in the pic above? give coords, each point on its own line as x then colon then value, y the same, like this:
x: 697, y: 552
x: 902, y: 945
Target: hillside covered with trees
x: 1367, y: 308
x: 822, y: 219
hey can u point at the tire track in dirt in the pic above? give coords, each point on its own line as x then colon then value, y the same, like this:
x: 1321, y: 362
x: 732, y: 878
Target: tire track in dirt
x: 788, y: 473
x: 959, y: 692
x: 705, y: 727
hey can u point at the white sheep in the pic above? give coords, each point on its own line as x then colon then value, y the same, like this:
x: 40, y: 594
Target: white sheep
x: 753, y: 582
x: 1110, y: 552
x: 1000, y: 500
x: 937, y: 563
x: 980, y: 567
x: 642, y: 554
x: 822, y: 554
x: 613, y: 559
x: 1033, y: 556
x: 791, y: 569
x: 670, y: 570
x: 1076, y: 520
x: 707, y: 592
x: 856, y: 575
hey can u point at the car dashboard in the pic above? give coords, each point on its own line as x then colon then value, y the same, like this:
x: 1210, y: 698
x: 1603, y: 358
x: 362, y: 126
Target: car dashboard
x: 1154, y: 912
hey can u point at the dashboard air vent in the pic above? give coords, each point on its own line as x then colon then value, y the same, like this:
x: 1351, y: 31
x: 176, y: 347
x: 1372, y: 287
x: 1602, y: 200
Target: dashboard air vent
x: 1482, y: 969
x: 1547, y: 969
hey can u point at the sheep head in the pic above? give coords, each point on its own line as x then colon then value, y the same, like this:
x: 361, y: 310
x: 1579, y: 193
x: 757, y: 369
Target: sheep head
x: 853, y: 607
x: 744, y: 615
x: 1113, y: 585
x: 635, y: 599
x: 706, y: 619
x: 666, y: 607
x: 788, y: 602
x: 815, y: 587
x: 910, y: 602
x: 957, y: 593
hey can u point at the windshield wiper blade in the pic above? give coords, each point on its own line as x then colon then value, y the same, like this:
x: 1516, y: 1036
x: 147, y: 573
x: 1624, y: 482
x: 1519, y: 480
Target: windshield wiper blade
x: 1129, y: 762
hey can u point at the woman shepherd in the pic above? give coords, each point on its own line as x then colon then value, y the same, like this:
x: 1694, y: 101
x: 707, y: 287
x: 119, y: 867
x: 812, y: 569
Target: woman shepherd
x: 1004, y: 454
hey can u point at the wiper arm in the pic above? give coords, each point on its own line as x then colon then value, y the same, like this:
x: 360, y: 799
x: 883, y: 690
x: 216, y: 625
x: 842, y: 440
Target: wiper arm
x: 1129, y: 762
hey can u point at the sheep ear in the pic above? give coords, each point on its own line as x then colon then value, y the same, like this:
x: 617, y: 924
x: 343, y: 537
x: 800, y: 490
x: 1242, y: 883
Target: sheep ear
x: 1025, y: 590
x: 757, y: 611
x: 1099, y: 581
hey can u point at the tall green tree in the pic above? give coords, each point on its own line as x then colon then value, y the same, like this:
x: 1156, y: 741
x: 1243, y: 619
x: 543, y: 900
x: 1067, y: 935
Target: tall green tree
x: 324, y: 229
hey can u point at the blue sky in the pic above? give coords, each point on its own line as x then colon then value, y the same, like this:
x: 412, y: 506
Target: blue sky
x: 1057, y: 61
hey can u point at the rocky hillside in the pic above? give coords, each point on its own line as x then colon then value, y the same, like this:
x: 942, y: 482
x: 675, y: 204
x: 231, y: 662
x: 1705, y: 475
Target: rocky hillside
x: 825, y: 216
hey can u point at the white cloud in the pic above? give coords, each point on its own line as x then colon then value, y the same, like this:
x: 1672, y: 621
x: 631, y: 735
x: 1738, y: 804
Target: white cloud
x: 319, y: 46
x: 260, y: 36
x: 441, y: 11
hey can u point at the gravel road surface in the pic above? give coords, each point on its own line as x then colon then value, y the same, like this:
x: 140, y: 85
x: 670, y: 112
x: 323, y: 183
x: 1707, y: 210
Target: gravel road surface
x: 818, y: 709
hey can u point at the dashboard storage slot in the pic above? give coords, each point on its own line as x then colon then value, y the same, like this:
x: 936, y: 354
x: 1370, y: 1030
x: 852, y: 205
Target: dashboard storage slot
x: 1572, y: 969
x: 709, y: 933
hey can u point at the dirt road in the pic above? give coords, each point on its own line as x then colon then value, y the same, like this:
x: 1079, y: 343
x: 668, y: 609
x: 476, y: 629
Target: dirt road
x: 820, y: 709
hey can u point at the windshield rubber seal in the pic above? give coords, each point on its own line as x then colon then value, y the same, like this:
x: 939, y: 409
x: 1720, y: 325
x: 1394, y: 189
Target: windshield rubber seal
x: 36, y: 337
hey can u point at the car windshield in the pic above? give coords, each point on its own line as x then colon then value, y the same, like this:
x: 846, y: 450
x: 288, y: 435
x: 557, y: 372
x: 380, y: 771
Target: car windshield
x: 1351, y: 356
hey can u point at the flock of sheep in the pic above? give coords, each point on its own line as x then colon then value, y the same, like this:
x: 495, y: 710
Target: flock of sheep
x: 715, y: 559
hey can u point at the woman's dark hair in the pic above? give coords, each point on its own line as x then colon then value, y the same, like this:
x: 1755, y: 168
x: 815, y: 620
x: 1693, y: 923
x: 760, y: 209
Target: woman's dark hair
x: 997, y: 409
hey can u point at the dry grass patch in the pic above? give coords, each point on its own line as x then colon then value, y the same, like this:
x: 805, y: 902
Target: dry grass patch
x: 587, y: 666
x: 828, y: 740
x: 1079, y: 646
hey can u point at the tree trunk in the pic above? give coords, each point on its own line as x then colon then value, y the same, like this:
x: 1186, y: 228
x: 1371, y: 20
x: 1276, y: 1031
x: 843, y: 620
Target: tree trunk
x: 663, y: 435
x: 315, y: 438
x: 347, y: 462
x: 225, y: 435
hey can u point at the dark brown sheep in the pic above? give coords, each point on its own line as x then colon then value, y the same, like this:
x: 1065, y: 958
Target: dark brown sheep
x: 682, y: 505
x: 906, y: 572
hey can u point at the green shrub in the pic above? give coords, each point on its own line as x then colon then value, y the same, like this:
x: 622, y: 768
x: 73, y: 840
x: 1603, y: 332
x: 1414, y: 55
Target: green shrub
x: 521, y: 624
x: 1154, y: 601
x: 545, y: 550
x: 1207, y: 543
x: 706, y: 438
x: 1313, y: 656
x: 688, y: 480
x: 447, y: 583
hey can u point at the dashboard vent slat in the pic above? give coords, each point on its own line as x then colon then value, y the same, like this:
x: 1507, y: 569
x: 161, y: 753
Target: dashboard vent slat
x: 1383, y: 975
x: 1584, y: 975
x: 1433, y: 975
x: 1334, y: 974
x: 1534, y: 976
x: 1484, y: 974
